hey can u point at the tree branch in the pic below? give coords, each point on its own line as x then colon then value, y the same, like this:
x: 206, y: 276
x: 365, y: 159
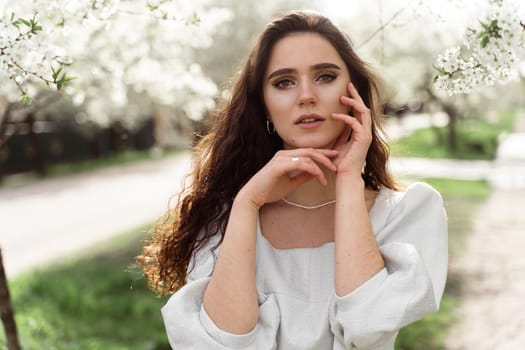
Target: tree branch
x: 386, y: 24
x: 6, y: 310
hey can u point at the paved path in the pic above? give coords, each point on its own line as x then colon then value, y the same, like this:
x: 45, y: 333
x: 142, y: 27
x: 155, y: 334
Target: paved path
x: 491, y: 311
x: 58, y: 217
x: 492, y: 268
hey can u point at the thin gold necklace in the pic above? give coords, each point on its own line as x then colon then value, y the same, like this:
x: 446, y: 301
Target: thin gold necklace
x: 309, y: 207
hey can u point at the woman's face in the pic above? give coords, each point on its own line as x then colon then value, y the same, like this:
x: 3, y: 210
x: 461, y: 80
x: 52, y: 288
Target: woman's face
x: 302, y: 87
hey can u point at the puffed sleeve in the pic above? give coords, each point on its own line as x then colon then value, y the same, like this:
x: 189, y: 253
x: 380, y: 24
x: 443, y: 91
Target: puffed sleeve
x: 190, y: 328
x: 414, y: 245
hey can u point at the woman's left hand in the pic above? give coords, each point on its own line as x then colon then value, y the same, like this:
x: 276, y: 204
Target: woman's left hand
x: 353, y: 143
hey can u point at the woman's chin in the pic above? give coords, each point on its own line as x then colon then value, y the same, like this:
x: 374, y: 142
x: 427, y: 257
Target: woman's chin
x: 316, y: 145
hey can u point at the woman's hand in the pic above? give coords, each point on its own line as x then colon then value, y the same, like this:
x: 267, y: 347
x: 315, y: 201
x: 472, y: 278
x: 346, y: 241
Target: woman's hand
x: 352, y: 153
x: 287, y: 170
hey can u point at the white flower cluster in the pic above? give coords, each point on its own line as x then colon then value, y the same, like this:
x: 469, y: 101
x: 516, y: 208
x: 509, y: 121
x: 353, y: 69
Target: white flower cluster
x: 491, y: 52
x: 21, y: 54
x: 32, y: 46
x: 109, y: 47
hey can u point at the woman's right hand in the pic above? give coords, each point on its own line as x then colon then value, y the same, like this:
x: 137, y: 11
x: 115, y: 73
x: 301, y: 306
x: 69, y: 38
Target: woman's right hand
x: 287, y: 170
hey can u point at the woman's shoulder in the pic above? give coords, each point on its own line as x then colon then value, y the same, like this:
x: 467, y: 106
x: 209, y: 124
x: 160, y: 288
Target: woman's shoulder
x: 414, y: 194
x: 418, y: 200
x: 404, y: 214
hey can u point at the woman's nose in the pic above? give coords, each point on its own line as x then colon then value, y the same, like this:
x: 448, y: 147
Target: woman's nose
x: 306, y: 94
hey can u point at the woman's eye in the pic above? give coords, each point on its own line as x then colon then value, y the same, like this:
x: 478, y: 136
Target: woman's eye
x: 326, y: 77
x: 283, y: 83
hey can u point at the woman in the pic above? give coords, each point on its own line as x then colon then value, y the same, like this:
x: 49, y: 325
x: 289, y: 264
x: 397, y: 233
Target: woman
x: 293, y: 235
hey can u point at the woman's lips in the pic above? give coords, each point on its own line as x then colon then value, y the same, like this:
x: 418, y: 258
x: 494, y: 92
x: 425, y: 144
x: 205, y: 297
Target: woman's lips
x: 308, y: 121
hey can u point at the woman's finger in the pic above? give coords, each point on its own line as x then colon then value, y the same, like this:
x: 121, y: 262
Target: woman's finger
x: 356, y: 105
x: 362, y: 112
x: 354, y: 123
x: 345, y: 135
x: 321, y: 156
x: 354, y: 93
x: 327, y: 152
x: 300, y: 179
x: 307, y: 165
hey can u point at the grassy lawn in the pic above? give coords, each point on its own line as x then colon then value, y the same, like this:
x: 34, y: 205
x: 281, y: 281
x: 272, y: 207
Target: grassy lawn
x: 94, y: 302
x: 462, y: 200
x: 476, y: 140
x: 97, y: 302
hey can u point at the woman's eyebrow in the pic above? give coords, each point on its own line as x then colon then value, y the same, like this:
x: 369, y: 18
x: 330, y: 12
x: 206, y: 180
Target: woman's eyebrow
x: 281, y: 71
x: 318, y: 66
x: 325, y: 66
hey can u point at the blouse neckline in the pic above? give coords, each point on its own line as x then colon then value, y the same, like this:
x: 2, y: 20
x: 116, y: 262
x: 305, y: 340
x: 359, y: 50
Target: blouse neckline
x: 373, y: 213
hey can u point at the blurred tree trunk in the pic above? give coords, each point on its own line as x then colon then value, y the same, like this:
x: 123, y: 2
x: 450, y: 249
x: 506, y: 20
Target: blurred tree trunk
x: 452, y: 113
x: 452, y: 126
x: 4, y: 137
x: 6, y: 310
x: 36, y: 151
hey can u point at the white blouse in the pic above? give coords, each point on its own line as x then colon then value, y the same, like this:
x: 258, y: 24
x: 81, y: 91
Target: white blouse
x: 298, y: 307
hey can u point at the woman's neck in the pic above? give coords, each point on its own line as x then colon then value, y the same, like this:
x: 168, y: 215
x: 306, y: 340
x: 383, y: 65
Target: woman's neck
x: 312, y: 193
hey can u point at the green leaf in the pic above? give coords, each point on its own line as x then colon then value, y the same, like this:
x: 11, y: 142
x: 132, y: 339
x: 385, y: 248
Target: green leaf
x: 26, y: 99
x: 195, y: 19
x: 484, y: 25
x: 35, y: 28
x: 151, y: 7
x: 23, y: 21
x: 63, y: 81
x: 485, y: 41
x: 56, y: 73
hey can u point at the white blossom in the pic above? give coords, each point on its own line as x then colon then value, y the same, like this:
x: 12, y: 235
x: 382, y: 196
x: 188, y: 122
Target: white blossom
x: 491, y: 51
x: 110, y: 47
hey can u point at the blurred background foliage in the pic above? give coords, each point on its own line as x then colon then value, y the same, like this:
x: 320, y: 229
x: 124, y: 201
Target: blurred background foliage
x: 57, y: 129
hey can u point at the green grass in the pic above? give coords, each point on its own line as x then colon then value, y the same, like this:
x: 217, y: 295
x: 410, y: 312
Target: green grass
x: 462, y: 200
x: 95, y: 302
x: 477, y: 140
x: 91, y: 303
x: 125, y: 157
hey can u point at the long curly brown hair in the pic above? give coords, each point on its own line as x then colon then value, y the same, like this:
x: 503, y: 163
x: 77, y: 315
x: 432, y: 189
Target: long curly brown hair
x: 238, y: 145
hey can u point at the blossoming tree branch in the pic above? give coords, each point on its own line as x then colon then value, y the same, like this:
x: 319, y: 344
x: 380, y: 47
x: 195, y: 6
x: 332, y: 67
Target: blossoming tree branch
x: 493, y: 51
x: 97, y: 51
